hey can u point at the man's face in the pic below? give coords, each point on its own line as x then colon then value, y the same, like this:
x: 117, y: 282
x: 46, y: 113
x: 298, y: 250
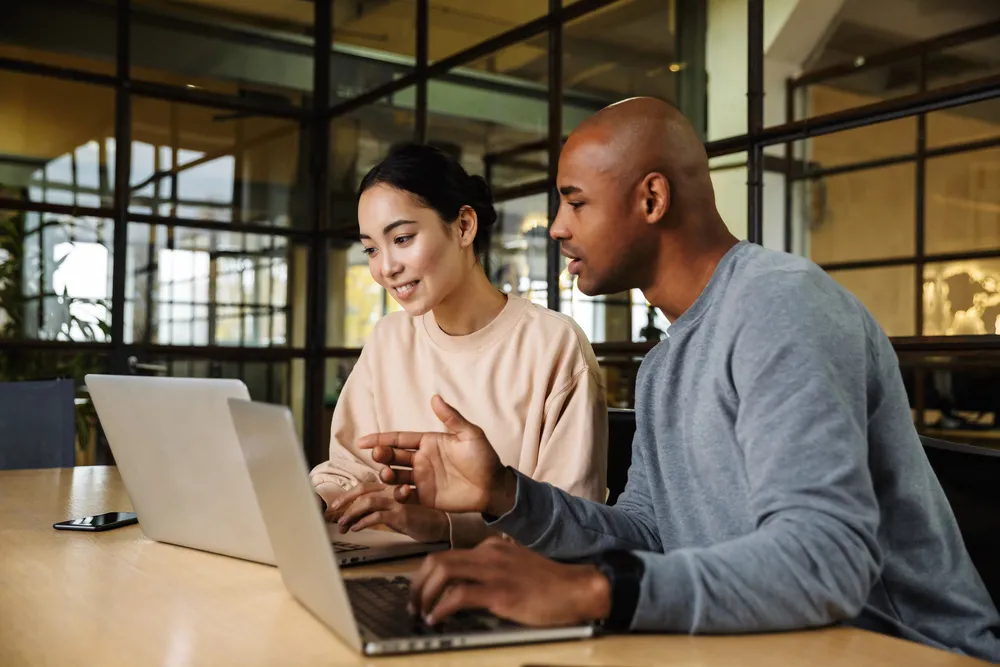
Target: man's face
x: 597, y: 224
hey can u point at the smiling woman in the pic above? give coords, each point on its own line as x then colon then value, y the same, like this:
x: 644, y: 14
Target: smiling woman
x: 528, y: 373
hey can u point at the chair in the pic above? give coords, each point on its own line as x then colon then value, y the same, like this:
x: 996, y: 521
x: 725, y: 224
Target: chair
x: 37, y: 424
x: 969, y: 475
x: 621, y: 430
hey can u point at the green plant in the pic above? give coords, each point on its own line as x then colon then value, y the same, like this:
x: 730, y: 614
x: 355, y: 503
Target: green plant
x: 19, y: 366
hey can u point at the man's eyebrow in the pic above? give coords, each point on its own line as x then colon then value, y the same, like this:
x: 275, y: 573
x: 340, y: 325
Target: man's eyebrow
x: 568, y: 190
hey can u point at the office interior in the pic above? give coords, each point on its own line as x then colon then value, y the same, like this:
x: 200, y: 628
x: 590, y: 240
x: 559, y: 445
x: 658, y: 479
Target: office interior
x: 178, y: 177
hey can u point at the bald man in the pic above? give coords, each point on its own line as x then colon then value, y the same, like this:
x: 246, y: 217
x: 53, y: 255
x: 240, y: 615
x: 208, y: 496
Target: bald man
x: 777, y: 481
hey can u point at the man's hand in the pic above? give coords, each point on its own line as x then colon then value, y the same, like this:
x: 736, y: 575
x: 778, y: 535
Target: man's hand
x: 371, y: 504
x: 511, y: 582
x: 457, y: 471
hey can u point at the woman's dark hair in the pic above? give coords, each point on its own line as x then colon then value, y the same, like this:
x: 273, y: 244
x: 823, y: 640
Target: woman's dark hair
x: 439, y: 182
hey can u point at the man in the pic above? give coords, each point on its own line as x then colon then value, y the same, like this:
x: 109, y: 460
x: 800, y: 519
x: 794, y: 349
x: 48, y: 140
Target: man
x: 777, y: 481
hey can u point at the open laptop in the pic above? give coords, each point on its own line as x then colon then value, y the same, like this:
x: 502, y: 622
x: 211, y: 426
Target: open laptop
x: 181, y: 463
x: 368, y: 613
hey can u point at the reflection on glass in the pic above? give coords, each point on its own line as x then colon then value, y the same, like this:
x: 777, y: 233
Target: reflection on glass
x: 68, y: 34
x: 374, y: 43
x: 58, y: 153
x: 962, y: 298
x: 888, y: 292
x: 359, y: 141
x: 871, y: 142
x: 205, y: 164
x: 55, y: 276
x: 255, y: 49
x: 860, y: 215
x: 962, y: 204
x: 194, y: 287
x: 356, y: 302
x: 620, y: 51
x: 518, y: 248
x: 455, y: 25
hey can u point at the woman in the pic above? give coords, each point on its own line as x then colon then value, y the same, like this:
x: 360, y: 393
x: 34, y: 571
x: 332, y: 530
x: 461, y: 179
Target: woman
x: 525, y: 374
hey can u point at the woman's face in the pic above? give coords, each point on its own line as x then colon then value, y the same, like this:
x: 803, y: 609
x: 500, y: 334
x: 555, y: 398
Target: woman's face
x: 416, y: 257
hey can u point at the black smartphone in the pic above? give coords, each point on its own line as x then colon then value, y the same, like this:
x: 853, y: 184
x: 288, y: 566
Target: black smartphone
x: 107, y: 521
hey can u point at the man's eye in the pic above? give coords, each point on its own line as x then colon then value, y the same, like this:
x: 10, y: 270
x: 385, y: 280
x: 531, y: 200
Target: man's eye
x: 575, y: 204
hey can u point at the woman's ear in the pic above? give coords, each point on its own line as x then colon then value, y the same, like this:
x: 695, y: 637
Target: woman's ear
x: 467, y: 226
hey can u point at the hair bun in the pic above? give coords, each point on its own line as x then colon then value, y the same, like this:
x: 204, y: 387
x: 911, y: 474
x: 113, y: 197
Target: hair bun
x: 482, y: 200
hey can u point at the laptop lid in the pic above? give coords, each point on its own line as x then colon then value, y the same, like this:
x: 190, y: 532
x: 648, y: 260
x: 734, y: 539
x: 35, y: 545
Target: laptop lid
x: 287, y: 502
x: 181, y: 463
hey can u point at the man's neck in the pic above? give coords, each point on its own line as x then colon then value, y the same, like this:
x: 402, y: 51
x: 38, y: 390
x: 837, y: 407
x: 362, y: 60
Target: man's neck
x: 474, y: 304
x: 684, y: 266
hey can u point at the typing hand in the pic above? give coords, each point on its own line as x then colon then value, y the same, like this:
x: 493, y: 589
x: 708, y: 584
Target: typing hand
x: 371, y: 504
x: 511, y: 582
x: 454, y: 472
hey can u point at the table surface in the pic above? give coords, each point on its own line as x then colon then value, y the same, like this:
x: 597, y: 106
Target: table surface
x: 117, y: 598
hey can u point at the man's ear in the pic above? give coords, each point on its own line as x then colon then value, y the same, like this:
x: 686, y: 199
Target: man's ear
x: 467, y: 226
x: 655, y: 197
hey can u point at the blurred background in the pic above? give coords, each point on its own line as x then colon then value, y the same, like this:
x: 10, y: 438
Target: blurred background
x: 177, y: 178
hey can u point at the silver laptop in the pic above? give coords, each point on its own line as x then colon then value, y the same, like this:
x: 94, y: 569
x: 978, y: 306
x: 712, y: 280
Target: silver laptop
x: 181, y: 463
x: 368, y: 613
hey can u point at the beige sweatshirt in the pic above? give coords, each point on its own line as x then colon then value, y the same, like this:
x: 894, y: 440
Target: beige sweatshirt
x: 529, y: 379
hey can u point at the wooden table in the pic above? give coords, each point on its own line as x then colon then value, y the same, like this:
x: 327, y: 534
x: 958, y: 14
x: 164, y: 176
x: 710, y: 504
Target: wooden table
x: 117, y: 598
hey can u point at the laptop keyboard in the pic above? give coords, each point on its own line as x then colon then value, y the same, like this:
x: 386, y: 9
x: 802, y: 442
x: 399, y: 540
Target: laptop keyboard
x: 380, y: 608
x: 343, y: 547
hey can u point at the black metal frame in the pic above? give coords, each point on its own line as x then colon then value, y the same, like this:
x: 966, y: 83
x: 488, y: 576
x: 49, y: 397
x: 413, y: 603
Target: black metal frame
x: 316, y: 118
x: 918, y: 105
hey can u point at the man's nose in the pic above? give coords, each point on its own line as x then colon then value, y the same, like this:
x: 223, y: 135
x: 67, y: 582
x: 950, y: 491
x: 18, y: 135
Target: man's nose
x: 559, y: 230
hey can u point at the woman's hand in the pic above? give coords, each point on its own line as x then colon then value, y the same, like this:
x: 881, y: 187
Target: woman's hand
x: 371, y: 504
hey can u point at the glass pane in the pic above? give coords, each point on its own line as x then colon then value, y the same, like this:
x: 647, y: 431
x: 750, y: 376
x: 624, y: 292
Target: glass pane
x: 267, y: 381
x: 337, y: 371
x: 973, y: 122
x: 729, y: 180
x: 456, y: 25
x: 356, y: 302
x: 358, y: 141
x: 966, y: 62
x: 624, y: 50
x: 726, y: 69
x: 648, y: 323
x: 252, y: 49
x: 962, y: 298
x: 963, y: 202
x: 888, y: 292
x: 474, y: 114
x: 74, y: 35
x: 863, y: 87
x: 200, y: 163
x: 860, y: 215
x: 52, y: 151
x: 17, y: 365
x: 872, y: 142
x: 196, y: 287
x: 518, y: 248
x: 55, y: 276
x: 373, y: 43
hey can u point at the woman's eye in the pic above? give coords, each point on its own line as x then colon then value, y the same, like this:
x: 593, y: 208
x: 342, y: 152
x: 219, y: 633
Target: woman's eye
x: 400, y: 240
x: 369, y: 251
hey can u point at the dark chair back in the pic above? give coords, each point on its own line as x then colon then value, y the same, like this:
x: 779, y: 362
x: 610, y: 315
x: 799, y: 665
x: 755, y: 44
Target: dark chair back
x: 37, y: 425
x: 621, y: 429
x: 969, y: 475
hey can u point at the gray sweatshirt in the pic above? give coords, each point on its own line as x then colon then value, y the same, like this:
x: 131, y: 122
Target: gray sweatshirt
x: 777, y: 480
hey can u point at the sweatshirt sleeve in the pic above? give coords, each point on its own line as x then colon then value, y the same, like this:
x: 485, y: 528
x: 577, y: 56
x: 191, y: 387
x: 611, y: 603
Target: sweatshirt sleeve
x: 572, y: 451
x: 353, y: 417
x: 800, y: 369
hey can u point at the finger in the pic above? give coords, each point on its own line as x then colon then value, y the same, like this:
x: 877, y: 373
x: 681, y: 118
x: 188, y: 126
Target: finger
x: 393, y: 457
x: 406, y: 494
x: 450, y: 417
x: 461, y: 596
x: 399, y: 439
x: 349, y: 497
x: 374, y: 519
x: 360, y: 508
x: 396, y: 476
x: 455, y: 567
